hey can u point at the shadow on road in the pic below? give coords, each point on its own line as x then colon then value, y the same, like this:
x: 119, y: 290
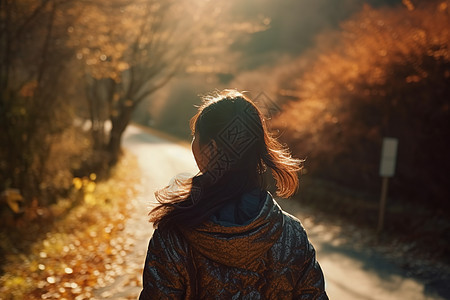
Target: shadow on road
x: 364, y: 272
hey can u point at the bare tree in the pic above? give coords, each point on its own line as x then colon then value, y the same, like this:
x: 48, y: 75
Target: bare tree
x: 141, y: 46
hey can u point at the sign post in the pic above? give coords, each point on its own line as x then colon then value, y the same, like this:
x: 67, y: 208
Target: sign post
x: 387, y: 169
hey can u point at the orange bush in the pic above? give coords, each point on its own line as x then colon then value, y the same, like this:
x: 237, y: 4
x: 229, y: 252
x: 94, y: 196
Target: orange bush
x: 387, y: 75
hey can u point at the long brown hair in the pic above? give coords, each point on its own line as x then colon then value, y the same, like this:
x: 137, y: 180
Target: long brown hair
x: 239, y: 149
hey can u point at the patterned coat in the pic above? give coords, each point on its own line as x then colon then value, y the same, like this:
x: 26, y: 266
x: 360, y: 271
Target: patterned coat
x: 269, y: 258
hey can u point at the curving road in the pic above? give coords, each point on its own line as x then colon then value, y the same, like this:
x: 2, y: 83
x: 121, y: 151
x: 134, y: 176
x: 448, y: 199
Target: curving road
x: 350, y: 273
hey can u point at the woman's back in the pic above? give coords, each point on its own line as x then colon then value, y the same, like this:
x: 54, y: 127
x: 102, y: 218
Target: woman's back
x: 265, y: 257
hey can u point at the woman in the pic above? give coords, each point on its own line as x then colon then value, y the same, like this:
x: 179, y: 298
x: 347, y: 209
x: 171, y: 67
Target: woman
x: 220, y: 234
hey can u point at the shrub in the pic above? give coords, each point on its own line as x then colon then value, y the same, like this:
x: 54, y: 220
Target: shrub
x: 387, y: 75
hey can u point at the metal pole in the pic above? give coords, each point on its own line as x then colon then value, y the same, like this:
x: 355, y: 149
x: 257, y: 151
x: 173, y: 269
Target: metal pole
x: 384, y: 188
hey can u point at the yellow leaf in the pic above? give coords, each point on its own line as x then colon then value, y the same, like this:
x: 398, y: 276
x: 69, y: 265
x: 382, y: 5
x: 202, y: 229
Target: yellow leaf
x: 13, y: 198
x: 77, y: 183
x: 89, y: 199
x: 90, y: 188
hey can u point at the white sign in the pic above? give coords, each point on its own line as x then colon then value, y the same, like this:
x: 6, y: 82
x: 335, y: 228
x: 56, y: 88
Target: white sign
x: 388, y: 157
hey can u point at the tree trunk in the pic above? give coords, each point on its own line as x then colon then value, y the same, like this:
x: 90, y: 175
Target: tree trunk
x: 119, y: 124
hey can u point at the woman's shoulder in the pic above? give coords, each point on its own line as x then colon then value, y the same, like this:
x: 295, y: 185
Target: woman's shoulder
x: 289, y: 220
x: 293, y: 228
x: 293, y: 245
x: 169, y: 240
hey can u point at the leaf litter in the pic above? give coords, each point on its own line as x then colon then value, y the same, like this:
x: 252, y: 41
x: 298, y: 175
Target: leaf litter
x: 78, y: 245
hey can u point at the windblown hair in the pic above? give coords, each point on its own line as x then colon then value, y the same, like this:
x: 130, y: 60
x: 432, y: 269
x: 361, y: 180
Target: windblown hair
x: 234, y: 137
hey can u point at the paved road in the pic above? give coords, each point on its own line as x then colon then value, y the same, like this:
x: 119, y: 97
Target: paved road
x: 349, y: 273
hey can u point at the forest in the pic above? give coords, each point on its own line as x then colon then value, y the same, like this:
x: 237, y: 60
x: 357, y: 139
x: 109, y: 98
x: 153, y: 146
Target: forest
x: 333, y: 77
